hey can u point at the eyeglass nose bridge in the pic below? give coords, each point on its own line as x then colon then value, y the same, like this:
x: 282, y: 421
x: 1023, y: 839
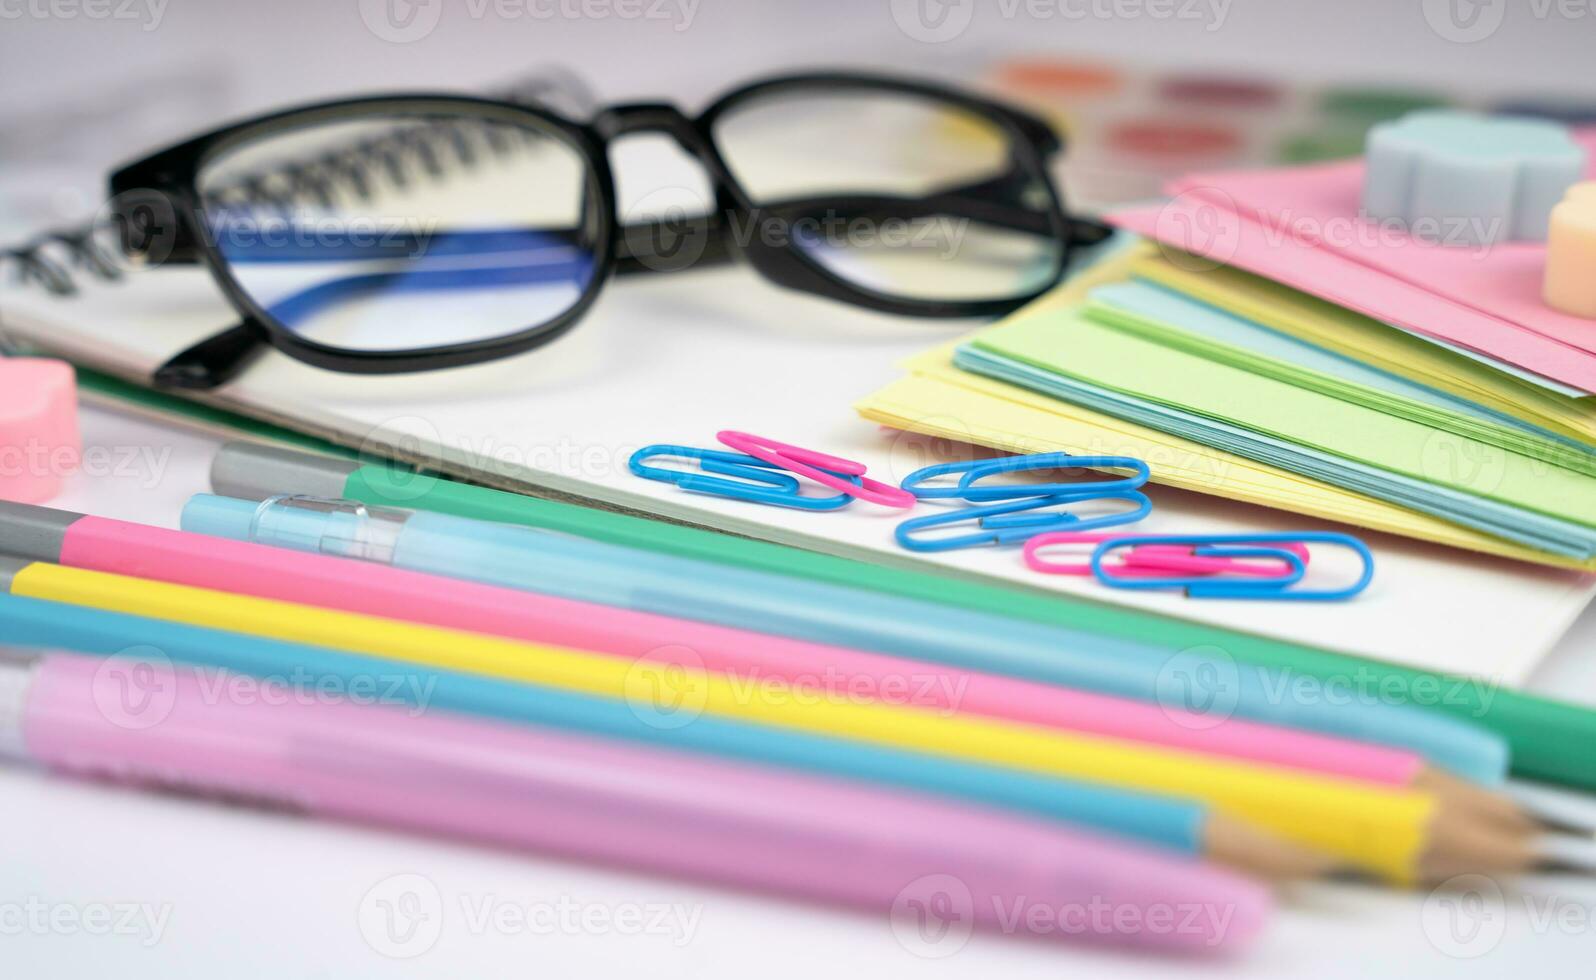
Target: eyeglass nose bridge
x: 671, y: 244
x: 650, y: 117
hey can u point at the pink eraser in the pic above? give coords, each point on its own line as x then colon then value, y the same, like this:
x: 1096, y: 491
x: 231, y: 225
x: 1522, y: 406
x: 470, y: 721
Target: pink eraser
x: 39, y: 439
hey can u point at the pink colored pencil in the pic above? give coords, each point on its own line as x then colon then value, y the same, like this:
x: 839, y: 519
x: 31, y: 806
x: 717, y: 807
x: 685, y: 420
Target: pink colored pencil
x: 814, y: 669
x: 898, y: 855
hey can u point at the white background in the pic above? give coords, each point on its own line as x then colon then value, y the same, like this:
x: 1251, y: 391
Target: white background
x: 247, y: 894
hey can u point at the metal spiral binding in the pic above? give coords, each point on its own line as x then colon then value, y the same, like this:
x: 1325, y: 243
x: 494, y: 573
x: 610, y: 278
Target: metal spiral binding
x: 429, y: 151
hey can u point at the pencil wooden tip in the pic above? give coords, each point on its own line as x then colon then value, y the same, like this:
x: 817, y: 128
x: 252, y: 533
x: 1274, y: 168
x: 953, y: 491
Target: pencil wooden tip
x: 1260, y: 853
x: 1460, y: 795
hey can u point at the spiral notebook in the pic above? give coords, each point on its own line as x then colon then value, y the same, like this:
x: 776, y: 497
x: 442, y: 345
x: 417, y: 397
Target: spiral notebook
x: 674, y: 358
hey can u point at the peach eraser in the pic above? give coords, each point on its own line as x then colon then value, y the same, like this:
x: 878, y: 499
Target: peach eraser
x: 1571, y: 253
x: 39, y: 439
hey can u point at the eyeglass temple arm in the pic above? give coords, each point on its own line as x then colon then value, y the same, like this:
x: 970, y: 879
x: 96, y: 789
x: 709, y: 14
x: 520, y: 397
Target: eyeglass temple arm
x: 714, y: 237
x: 215, y: 360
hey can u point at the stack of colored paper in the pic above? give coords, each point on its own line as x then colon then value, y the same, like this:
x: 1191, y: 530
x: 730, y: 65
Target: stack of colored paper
x: 1233, y: 385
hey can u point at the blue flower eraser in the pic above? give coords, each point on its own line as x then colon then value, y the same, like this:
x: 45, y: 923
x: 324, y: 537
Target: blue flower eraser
x: 1468, y: 179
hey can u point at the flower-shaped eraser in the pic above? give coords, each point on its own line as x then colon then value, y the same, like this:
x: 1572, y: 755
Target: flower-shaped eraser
x: 1571, y: 253
x: 39, y: 440
x: 1467, y: 179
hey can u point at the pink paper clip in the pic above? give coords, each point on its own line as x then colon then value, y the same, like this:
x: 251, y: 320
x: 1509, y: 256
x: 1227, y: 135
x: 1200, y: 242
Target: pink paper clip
x: 807, y: 463
x: 1154, y: 560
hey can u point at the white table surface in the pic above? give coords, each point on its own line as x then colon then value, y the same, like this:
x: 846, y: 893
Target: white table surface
x: 198, y: 889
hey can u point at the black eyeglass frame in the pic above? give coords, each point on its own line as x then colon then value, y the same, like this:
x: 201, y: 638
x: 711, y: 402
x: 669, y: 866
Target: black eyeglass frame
x: 171, y: 176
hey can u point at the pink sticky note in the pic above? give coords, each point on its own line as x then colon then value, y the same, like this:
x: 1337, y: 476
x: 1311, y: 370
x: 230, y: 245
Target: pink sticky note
x: 1225, y: 237
x: 39, y: 440
x: 1302, y: 226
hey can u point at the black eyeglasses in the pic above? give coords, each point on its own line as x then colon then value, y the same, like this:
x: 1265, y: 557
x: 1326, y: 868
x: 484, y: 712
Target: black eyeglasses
x: 415, y: 232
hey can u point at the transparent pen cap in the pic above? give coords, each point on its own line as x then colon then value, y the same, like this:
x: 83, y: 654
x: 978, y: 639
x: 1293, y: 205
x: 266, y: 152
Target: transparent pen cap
x: 345, y: 528
x: 17, y: 671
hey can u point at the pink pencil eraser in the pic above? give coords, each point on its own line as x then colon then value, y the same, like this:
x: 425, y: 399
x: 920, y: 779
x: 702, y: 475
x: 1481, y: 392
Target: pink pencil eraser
x: 39, y: 439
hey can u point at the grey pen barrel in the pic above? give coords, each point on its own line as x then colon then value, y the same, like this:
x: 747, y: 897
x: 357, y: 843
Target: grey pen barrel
x: 34, y: 532
x: 9, y: 568
x: 248, y: 470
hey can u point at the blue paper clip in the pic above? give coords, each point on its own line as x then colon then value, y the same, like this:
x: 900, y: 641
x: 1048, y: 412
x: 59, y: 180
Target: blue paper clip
x: 757, y: 480
x: 1239, y: 546
x: 997, y: 527
x: 912, y: 482
x: 1048, y: 461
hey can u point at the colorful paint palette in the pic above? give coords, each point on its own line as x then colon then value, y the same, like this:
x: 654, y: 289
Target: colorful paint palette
x: 1132, y: 132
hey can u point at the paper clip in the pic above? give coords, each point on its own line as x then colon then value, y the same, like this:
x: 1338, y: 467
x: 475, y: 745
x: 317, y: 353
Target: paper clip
x: 756, y: 480
x: 1048, y: 461
x: 1149, y: 560
x: 1011, y: 521
x: 1238, y: 546
x: 842, y: 475
x: 912, y: 482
